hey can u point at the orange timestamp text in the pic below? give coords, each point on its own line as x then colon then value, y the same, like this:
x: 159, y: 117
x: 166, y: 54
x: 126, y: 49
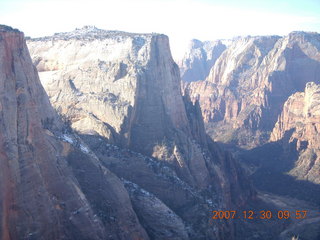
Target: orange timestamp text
x: 263, y: 214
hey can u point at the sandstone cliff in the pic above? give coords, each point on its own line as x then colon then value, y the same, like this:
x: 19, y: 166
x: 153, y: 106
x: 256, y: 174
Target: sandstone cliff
x: 199, y: 59
x: 46, y: 183
x: 121, y: 93
x: 299, y: 124
x: 243, y: 95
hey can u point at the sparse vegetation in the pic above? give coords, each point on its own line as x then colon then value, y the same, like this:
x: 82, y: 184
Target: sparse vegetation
x: 47, y: 123
x: 66, y: 124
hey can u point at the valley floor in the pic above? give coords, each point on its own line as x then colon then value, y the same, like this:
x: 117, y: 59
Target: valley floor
x: 308, y: 227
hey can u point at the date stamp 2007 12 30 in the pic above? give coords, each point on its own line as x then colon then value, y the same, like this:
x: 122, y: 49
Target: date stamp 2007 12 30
x: 250, y: 214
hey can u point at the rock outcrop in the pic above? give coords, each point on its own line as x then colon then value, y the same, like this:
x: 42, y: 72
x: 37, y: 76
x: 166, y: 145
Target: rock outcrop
x: 299, y: 124
x: 123, y: 71
x: 199, y: 59
x: 243, y: 95
x: 49, y: 188
x: 121, y: 92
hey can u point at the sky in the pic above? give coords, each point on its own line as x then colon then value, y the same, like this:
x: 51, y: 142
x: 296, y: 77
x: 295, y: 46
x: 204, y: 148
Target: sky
x: 181, y: 20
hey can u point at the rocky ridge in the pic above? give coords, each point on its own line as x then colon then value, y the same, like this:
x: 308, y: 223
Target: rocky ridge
x: 243, y: 95
x: 89, y: 33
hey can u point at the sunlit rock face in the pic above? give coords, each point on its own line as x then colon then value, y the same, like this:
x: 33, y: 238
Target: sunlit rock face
x: 100, y: 78
x: 243, y: 95
x: 123, y: 89
x: 199, y: 59
x: 299, y: 125
x: 45, y: 192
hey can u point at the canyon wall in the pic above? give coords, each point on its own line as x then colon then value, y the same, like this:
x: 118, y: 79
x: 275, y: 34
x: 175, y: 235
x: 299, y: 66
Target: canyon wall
x: 244, y: 93
x: 298, y: 125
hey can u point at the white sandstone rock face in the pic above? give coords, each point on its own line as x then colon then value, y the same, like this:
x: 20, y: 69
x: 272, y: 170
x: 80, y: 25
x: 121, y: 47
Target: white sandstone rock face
x: 95, y: 78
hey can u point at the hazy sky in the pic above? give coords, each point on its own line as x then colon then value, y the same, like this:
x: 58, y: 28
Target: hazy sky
x: 181, y: 20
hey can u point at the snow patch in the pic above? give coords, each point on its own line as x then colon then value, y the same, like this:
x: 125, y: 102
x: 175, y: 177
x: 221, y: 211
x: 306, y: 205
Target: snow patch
x: 84, y: 149
x: 67, y: 138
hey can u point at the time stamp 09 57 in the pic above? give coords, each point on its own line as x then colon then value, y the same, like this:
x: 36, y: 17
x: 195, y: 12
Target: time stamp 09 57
x: 250, y: 214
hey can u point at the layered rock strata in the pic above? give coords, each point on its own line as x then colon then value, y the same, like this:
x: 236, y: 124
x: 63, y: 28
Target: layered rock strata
x: 243, y: 95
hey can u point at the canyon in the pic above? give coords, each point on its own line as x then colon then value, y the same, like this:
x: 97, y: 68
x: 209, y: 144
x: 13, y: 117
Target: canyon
x: 100, y: 139
x: 121, y: 94
x: 120, y: 155
x: 260, y: 101
x: 253, y: 95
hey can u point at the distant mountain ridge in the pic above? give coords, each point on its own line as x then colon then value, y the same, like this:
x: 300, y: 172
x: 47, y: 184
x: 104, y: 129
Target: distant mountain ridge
x: 247, y: 86
x: 199, y: 59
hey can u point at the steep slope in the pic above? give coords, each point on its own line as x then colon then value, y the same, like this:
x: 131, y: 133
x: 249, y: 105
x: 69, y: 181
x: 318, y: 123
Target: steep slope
x: 299, y: 125
x: 123, y: 89
x: 199, y: 59
x: 45, y: 182
x: 244, y: 93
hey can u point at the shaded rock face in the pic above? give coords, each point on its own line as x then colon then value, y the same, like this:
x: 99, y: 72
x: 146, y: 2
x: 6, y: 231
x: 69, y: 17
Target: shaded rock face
x: 243, y: 95
x: 298, y: 124
x: 46, y: 183
x: 124, y: 89
x: 199, y: 59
